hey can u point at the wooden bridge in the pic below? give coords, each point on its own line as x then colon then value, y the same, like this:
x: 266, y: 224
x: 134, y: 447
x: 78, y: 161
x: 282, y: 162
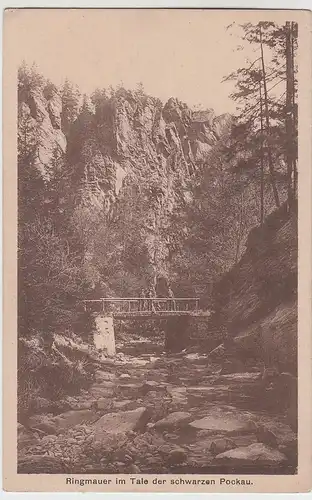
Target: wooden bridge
x: 145, y: 307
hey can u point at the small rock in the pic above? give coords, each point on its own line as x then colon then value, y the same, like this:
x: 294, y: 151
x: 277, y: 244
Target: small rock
x: 124, y: 376
x: 89, y: 439
x: 49, y: 438
x: 152, y: 460
x: 121, y: 404
x: 134, y: 469
x: 170, y: 435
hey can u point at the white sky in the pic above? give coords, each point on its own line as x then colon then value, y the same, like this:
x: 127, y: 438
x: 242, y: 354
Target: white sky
x: 181, y: 54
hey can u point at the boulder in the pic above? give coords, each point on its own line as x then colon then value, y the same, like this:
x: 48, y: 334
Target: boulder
x: 290, y: 450
x: 117, y: 423
x: 121, y: 404
x: 232, y: 366
x: 206, y: 390
x: 177, y: 392
x: 221, y: 445
x: 102, y: 404
x: 74, y: 417
x: 98, y: 391
x: 255, y: 453
x: 227, y: 420
x: 217, y: 353
x: 178, y: 396
x: 176, y: 456
x: 196, y: 357
x: 173, y: 420
x: 25, y: 437
x: 44, y: 423
x: 101, y: 375
x: 38, y: 464
x: 130, y: 389
x: 42, y: 405
x: 151, y: 385
x: 106, y: 383
x: 265, y: 436
x: 240, y: 378
x: 283, y: 433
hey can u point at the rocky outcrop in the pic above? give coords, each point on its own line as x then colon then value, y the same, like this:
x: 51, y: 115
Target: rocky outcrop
x: 145, y: 151
x: 122, y: 148
x: 256, y: 301
x: 40, y: 109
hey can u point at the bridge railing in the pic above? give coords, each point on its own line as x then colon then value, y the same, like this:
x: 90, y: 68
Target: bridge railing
x: 142, y: 305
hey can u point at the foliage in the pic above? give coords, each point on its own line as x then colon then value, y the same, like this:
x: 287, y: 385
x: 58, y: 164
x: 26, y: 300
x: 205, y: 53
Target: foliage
x: 260, y: 140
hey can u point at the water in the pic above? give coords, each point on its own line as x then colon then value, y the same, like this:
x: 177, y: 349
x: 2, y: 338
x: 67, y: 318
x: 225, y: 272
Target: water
x: 227, y: 411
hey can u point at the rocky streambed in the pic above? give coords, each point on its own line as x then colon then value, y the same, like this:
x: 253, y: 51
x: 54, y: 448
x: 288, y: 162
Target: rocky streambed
x: 150, y: 412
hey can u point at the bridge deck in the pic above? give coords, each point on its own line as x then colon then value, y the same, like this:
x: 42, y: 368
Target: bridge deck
x: 158, y: 314
x: 145, y: 307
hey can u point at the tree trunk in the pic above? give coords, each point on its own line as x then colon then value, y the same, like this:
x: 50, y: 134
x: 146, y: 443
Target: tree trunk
x: 289, y: 115
x: 240, y: 228
x: 261, y: 159
x: 294, y: 28
x: 267, y: 120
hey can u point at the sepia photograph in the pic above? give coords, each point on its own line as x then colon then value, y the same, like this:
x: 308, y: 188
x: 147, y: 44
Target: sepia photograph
x: 157, y: 244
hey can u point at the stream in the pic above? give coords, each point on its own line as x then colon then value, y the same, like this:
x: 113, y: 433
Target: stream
x: 153, y: 412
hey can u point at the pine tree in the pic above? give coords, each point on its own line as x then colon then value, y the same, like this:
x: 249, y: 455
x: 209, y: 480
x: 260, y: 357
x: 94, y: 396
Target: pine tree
x: 71, y: 104
x: 265, y: 89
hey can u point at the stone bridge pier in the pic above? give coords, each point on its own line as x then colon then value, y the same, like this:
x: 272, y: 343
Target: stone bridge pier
x: 104, y: 335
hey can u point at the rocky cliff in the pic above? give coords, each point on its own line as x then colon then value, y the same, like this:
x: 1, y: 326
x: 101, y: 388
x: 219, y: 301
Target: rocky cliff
x: 124, y: 149
x: 258, y: 297
x: 39, y: 115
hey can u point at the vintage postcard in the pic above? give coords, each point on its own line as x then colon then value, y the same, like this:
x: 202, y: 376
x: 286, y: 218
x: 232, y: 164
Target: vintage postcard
x: 157, y: 250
